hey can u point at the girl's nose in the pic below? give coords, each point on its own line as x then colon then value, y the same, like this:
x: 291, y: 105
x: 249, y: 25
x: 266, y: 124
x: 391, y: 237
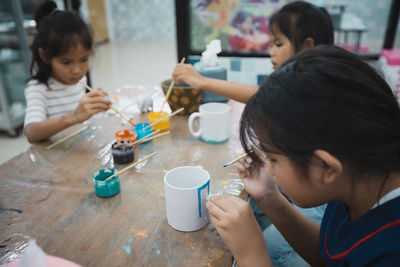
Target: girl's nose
x: 76, y: 70
x: 272, y: 51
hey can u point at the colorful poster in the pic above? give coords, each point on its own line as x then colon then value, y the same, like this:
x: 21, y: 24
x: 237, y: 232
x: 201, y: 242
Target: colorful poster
x: 241, y: 25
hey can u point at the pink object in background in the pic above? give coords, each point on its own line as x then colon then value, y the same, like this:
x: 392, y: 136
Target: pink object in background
x: 390, y: 59
x: 51, y: 261
x: 352, y: 47
x: 34, y: 256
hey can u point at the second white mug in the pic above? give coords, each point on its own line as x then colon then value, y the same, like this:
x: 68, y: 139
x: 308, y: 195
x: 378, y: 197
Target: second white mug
x: 214, y: 123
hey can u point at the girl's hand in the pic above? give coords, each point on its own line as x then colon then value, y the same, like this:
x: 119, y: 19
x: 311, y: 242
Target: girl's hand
x: 257, y: 178
x: 187, y: 74
x: 234, y: 220
x: 102, y: 91
x: 91, y: 103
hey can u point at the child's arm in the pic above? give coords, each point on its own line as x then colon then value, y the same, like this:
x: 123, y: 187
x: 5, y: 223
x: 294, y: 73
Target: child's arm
x: 300, y: 232
x: 237, y: 91
x: 90, y: 104
x: 234, y: 220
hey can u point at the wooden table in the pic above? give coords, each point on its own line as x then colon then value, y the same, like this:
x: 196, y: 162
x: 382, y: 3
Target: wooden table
x: 48, y: 195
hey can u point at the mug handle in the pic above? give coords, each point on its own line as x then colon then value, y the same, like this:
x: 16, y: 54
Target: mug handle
x: 192, y: 117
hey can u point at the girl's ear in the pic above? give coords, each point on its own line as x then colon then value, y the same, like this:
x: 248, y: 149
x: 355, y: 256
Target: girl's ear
x: 308, y: 43
x: 331, y: 169
x: 42, y: 56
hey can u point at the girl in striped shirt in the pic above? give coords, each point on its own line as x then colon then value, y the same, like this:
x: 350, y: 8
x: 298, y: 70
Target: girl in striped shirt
x: 55, y: 96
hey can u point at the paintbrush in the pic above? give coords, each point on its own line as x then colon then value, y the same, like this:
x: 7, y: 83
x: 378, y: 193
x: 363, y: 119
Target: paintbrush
x: 170, y: 89
x: 164, y: 118
x: 237, y: 159
x: 144, y: 137
x: 155, y: 136
x: 111, y: 107
x: 130, y: 166
x: 67, y: 137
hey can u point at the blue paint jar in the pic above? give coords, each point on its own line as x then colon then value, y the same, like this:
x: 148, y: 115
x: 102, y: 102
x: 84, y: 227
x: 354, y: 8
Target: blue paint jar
x: 107, y: 188
x: 141, y: 132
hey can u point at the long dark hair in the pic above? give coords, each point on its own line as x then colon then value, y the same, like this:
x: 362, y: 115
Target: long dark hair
x: 326, y: 98
x: 300, y: 20
x: 57, y: 32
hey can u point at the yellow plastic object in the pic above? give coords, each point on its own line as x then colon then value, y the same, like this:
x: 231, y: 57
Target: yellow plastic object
x: 155, y: 116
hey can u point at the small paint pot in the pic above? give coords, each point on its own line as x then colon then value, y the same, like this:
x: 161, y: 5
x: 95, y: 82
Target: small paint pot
x: 126, y: 135
x: 122, y: 152
x: 156, y: 116
x: 107, y: 188
x: 141, y: 132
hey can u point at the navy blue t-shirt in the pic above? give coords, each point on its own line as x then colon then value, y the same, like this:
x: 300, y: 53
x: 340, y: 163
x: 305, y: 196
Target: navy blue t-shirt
x: 371, y: 240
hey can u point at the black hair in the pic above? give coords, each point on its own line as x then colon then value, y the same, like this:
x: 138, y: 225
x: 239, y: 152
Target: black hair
x: 326, y: 98
x: 57, y: 32
x: 301, y: 20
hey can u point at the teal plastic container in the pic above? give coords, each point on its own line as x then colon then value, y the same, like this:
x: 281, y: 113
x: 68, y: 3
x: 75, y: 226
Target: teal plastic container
x: 107, y: 188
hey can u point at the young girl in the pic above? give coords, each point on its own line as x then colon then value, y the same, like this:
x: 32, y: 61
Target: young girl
x: 55, y: 97
x: 296, y: 26
x: 327, y: 128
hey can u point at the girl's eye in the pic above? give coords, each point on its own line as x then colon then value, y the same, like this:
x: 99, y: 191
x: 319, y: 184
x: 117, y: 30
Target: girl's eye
x: 65, y: 62
x: 84, y: 59
x: 269, y: 158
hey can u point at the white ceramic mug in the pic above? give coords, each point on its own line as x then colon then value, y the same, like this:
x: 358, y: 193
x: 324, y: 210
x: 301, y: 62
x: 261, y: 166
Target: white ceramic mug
x: 186, y: 189
x: 214, y: 122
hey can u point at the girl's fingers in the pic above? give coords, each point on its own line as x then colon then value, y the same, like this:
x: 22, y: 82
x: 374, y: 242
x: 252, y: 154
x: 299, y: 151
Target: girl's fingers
x: 94, y: 93
x: 224, y: 203
x: 97, y: 96
x: 102, y: 91
x: 101, y: 106
x: 214, y: 220
x: 228, y: 202
x: 95, y: 111
x: 214, y: 210
x: 240, y: 169
x: 259, y: 153
x: 248, y: 161
x: 98, y: 99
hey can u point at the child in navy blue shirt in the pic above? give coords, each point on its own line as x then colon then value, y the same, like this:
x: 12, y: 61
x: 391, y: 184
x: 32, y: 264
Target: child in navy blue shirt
x: 295, y: 27
x: 325, y: 128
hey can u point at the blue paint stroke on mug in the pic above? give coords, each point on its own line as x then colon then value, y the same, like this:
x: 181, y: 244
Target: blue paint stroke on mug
x: 212, y: 141
x: 207, y: 184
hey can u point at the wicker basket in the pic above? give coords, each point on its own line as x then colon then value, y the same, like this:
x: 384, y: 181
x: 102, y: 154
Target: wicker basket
x: 182, y: 95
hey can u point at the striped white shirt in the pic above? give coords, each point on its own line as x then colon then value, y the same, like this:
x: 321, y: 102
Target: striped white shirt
x: 57, y: 99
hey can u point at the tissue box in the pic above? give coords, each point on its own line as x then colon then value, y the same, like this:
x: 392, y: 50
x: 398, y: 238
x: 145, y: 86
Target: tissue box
x: 216, y: 72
